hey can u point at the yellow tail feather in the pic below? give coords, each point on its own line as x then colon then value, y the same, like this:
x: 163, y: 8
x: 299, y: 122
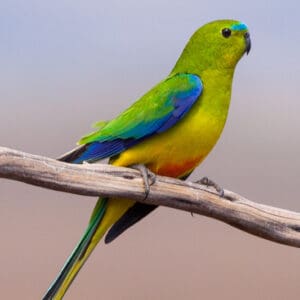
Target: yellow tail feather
x: 97, y: 227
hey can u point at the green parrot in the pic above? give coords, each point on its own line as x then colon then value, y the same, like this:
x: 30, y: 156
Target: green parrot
x: 169, y: 130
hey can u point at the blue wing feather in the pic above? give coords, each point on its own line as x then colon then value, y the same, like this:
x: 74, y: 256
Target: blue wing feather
x: 100, y: 150
x: 177, y: 103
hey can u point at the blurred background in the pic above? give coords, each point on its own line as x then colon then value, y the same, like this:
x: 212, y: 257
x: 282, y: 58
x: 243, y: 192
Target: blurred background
x: 66, y: 64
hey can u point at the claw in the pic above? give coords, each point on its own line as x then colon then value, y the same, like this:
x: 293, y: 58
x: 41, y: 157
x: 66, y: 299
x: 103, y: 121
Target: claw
x: 208, y: 182
x: 149, y: 177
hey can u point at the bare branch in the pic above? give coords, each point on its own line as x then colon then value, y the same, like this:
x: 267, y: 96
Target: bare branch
x: 275, y: 224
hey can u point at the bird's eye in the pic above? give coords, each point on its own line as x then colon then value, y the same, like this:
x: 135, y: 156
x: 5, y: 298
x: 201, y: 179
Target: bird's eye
x: 226, y: 32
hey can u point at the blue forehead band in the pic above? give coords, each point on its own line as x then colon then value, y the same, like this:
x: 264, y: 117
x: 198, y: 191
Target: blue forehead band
x: 239, y: 27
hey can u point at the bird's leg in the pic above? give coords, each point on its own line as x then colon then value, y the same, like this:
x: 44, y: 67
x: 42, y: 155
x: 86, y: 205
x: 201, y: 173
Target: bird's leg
x: 148, y: 177
x: 208, y: 182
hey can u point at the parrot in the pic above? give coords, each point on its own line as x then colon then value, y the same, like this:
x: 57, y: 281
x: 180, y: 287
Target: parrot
x: 168, y: 131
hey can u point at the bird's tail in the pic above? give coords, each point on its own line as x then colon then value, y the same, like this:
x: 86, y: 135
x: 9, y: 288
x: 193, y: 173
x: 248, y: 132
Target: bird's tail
x: 105, y: 213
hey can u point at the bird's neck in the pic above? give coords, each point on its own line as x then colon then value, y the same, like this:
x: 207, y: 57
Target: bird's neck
x: 217, y: 84
x: 216, y: 90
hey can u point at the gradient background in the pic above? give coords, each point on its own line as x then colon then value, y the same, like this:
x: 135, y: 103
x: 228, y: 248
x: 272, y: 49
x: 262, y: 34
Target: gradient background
x: 65, y: 64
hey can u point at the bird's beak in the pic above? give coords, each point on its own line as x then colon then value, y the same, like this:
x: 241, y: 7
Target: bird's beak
x: 248, y: 42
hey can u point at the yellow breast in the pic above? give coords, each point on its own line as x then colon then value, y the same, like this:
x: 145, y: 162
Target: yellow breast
x: 180, y: 149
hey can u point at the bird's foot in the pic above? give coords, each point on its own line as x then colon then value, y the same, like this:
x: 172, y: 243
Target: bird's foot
x: 208, y: 182
x: 149, y: 177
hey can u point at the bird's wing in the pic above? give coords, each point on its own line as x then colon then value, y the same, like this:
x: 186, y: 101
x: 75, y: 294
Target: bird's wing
x: 155, y: 112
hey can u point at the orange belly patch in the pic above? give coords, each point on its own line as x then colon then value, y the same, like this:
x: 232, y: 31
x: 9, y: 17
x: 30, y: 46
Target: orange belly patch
x: 178, y: 169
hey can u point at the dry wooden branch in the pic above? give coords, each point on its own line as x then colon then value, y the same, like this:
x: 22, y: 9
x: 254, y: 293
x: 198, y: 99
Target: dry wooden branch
x: 275, y: 224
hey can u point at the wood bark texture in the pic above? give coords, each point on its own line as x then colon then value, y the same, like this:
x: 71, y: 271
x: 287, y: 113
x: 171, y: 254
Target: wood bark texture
x: 275, y: 224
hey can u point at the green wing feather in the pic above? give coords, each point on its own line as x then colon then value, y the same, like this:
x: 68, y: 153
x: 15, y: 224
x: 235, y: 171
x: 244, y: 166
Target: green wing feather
x: 151, y: 111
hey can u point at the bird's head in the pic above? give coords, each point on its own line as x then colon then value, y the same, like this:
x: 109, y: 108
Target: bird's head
x: 216, y: 45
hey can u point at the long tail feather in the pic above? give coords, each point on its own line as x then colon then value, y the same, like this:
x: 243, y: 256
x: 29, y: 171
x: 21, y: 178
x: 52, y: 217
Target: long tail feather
x: 77, y: 258
x: 106, y: 212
